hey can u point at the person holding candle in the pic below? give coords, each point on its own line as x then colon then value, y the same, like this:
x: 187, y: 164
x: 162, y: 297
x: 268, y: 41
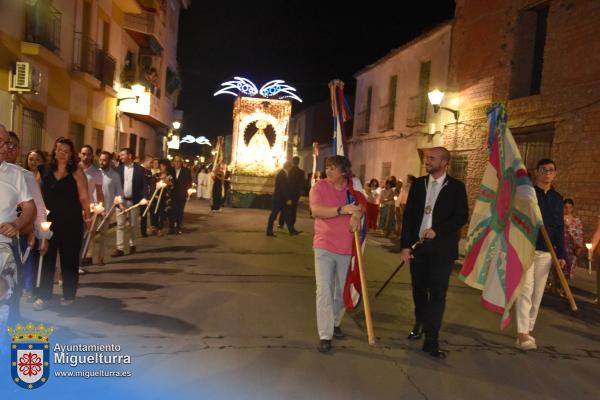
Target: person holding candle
x: 135, y: 189
x: 12, y: 178
x: 30, y: 232
x: 160, y: 208
x: 94, y: 181
x: 111, y: 188
x: 65, y: 191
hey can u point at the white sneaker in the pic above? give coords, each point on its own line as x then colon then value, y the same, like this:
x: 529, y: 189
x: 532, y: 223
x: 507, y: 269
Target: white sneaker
x: 82, y: 271
x: 40, y: 305
x: 526, y: 345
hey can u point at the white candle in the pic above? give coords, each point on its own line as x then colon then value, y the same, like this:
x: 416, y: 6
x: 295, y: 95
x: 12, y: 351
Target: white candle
x: 45, y: 228
x: 590, y: 256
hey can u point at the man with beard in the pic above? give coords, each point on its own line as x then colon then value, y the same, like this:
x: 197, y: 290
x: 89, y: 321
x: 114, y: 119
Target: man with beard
x: 436, y: 210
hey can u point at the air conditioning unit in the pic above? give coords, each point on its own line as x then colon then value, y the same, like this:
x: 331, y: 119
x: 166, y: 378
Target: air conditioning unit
x: 24, y: 78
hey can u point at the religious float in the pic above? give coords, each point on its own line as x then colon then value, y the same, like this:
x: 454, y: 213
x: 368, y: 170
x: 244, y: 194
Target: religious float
x: 259, y: 140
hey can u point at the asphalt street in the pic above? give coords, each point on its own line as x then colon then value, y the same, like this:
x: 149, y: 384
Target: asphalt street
x: 224, y: 311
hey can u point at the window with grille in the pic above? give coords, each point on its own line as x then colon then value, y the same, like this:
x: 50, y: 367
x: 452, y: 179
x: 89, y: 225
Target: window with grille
x: 534, y: 143
x: 133, y: 143
x: 424, y: 75
x: 362, y: 171
x: 33, y: 127
x: 458, y: 166
x: 528, y: 56
x: 142, y: 148
x: 77, y: 135
x: 368, y: 113
x: 392, y: 101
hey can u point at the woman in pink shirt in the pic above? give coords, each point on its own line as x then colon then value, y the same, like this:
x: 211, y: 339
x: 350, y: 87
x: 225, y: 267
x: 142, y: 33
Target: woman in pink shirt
x: 335, y: 222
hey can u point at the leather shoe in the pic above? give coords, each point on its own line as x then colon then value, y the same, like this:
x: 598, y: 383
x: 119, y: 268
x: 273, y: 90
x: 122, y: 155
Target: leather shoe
x: 117, y: 253
x: 324, y: 346
x: 416, y: 333
x: 440, y: 354
x: 338, y: 333
x: 132, y: 250
x: 294, y: 233
x: 271, y: 234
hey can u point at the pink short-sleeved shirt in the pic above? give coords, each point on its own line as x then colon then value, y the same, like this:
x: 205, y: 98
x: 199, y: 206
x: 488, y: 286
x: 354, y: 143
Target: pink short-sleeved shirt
x: 331, y: 234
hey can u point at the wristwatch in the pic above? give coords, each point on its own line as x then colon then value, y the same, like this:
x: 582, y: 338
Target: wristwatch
x: 339, y: 211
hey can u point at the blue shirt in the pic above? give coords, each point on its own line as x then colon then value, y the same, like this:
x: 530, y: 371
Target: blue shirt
x: 551, y: 206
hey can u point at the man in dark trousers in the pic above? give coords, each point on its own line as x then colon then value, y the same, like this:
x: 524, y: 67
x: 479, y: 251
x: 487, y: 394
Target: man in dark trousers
x: 436, y: 210
x: 282, y: 200
x: 135, y: 189
x: 182, y: 181
x: 147, y: 165
x: 296, y: 179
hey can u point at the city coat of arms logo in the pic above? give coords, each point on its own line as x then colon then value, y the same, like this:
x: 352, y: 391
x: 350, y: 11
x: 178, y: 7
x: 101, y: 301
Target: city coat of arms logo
x: 30, y: 355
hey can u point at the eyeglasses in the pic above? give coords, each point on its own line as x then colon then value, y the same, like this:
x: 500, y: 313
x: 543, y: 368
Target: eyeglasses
x: 10, y: 145
x: 547, y: 171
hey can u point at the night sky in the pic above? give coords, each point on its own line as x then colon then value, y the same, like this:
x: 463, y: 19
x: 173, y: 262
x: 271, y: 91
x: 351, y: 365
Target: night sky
x: 304, y: 43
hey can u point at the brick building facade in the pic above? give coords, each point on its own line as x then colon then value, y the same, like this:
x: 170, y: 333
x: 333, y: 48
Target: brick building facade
x: 542, y: 59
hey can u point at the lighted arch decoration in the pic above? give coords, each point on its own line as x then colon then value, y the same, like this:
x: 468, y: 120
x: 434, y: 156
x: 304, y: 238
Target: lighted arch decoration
x: 276, y: 89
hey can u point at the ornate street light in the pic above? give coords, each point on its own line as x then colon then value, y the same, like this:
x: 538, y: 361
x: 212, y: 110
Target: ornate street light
x: 435, y: 98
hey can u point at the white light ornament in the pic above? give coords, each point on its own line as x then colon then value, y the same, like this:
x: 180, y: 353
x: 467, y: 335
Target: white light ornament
x: 199, y: 140
x: 275, y: 88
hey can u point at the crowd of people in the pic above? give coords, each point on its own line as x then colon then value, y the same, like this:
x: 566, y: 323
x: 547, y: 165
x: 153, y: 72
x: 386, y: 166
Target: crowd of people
x: 429, y: 213
x: 61, y: 205
x: 57, y: 203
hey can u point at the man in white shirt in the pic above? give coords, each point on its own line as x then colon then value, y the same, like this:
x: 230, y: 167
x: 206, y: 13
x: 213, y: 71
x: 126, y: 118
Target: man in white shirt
x: 135, y: 189
x: 111, y: 187
x: 13, y: 193
x: 30, y: 232
x: 94, y: 180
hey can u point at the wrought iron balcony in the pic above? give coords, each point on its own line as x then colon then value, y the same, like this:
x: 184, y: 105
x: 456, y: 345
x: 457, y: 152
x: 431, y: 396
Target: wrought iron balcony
x: 88, y: 58
x: 42, y: 25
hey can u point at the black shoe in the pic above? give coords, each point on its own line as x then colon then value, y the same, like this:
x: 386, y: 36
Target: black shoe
x: 271, y: 234
x: 440, y: 354
x: 337, y: 333
x: 294, y: 233
x: 179, y: 231
x: 324, y: 346
x: 416, y: 333
x: 132, y: 250
x: 144, y: 234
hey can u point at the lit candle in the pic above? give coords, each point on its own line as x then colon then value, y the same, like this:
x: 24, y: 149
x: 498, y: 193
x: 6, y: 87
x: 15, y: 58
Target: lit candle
x: 590, y: 256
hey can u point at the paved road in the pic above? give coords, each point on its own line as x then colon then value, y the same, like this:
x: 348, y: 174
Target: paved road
x: 225, y: 312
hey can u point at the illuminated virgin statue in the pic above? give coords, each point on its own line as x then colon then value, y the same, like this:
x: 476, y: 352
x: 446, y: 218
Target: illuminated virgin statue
x: 258, y: 153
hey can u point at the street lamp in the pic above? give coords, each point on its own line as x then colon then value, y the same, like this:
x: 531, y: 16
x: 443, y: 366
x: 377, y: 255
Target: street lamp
x: 137, y: 89
x: 176, y: 125
x: 435, y: 98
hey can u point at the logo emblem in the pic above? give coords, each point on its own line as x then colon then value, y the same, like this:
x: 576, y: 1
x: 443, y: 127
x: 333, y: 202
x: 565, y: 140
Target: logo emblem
x: 30, y: 355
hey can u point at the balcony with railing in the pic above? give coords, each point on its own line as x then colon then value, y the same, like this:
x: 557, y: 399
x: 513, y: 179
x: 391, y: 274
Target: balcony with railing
x: 93, y: 61
x: 42, y: 25
x: 146, y: 29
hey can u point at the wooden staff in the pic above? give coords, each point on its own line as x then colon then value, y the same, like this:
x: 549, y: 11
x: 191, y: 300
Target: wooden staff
x: 45, y: 229
x: 98, y: 209
x: 150, y: 201
x: 159, y: 197
x: 116, y: 202
x: 365, y: 293
x: 559, y: 272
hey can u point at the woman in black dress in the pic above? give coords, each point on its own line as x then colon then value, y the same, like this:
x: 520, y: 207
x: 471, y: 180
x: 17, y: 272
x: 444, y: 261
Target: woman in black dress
x: 64, y: 188
x: 159, y: 216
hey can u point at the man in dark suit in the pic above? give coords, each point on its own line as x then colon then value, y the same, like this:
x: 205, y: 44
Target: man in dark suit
x: 436, y: 210
x: 296, y: 179
x: 182, y: 181
x: 135, y: 189
x: 147, y: 165
x: 282, y: 200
